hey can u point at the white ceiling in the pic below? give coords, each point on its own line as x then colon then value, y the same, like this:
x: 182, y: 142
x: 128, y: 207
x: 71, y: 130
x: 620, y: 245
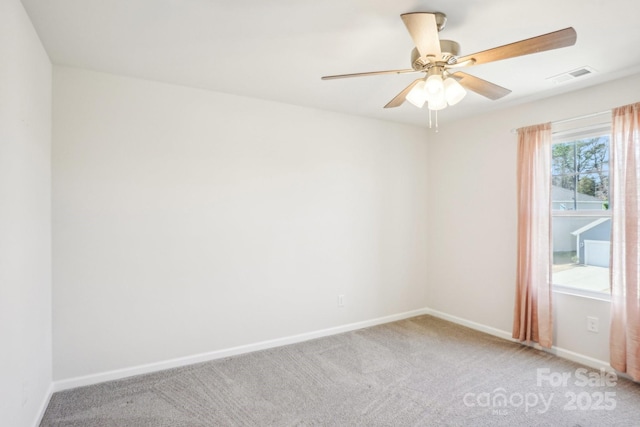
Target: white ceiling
x: 279, y: 49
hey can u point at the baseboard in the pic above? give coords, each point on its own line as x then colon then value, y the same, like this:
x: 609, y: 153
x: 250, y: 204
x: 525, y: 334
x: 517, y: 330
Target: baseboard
x: 470, y: 324
x: 556, y: 351
x: 577, y: 357
x: 219, y: 354
x: 44, y: 405
x: 234, y: 351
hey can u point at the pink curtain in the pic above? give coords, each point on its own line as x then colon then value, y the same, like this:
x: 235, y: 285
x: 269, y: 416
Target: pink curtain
x: 625, y: 238
x: 532, y: 320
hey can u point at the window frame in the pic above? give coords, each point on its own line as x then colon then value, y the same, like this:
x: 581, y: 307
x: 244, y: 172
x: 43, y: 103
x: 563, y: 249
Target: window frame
x: 569, y: 131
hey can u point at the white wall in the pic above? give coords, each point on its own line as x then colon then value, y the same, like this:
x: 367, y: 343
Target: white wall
x: 25, y: 219
x: 187, y: 221
x: 472, y: 218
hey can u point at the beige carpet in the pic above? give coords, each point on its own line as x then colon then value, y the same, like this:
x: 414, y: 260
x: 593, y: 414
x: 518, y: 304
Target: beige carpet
x: 417, y: 372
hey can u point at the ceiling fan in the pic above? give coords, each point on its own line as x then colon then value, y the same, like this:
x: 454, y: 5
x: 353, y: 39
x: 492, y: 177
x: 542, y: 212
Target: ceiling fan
x: 444, y: 84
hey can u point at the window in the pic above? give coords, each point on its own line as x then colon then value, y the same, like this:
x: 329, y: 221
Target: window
x: 581, y: 219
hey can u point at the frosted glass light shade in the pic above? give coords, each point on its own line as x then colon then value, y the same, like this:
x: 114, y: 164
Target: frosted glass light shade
x: 434, y: 84
x: 417, y: 95
x: 437, y: 101
x: 454, y: 91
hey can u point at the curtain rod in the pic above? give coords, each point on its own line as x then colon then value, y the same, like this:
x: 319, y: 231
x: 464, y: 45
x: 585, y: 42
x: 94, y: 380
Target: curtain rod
x: 585, y: 116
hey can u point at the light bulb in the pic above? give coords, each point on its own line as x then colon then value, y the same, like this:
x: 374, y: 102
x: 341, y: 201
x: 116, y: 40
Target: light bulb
x: 437, y: 101
x: 434, y: 84
x: 417, y: 95
x: 454, y: 92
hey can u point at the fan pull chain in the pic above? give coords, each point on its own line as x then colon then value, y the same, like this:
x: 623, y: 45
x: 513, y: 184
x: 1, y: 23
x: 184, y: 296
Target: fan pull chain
x: 430, y: 122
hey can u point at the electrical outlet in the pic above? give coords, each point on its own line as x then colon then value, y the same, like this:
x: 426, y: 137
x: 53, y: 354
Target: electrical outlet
x: 592, y: 324
x: 341, y: 300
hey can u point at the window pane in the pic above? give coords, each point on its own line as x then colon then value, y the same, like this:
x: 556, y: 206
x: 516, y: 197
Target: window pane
x: 563, y: 195
x: 581, y: 252
x: 580, y: 174
x: 592, y: 154
x: 592, y: 191
x: 563, y: 158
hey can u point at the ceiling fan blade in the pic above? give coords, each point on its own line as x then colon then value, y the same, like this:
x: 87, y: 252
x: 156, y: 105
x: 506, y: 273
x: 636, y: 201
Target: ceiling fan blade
x: 424, y: 32
x: 399, y: 98
x: 370, y: 73
x: 555, y: 40
x: 481, y: 87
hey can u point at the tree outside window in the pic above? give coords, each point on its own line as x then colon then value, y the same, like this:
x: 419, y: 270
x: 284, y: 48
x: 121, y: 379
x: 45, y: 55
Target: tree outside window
x: 581, y: 168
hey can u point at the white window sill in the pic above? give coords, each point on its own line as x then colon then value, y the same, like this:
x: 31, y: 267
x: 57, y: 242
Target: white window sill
x: 582, y: 213
x: 568, y: 290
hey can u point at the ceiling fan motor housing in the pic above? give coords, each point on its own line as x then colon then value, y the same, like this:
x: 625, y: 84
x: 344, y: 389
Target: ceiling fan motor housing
x: 449, y: 48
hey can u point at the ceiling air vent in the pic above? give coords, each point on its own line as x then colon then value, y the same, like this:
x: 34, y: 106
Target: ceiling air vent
x: 572, y: 75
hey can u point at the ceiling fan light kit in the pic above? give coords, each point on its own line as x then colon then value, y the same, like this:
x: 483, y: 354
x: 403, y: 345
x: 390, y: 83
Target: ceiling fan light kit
x: 453, y: 91
x: 437, y: 91
x: 434, y: 84
x: 417, y: 95
x: 443, y: 84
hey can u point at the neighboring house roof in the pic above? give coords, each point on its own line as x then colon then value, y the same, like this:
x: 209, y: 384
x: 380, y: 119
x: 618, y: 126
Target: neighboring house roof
x: 590, y: 226
x: 559, y: 194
